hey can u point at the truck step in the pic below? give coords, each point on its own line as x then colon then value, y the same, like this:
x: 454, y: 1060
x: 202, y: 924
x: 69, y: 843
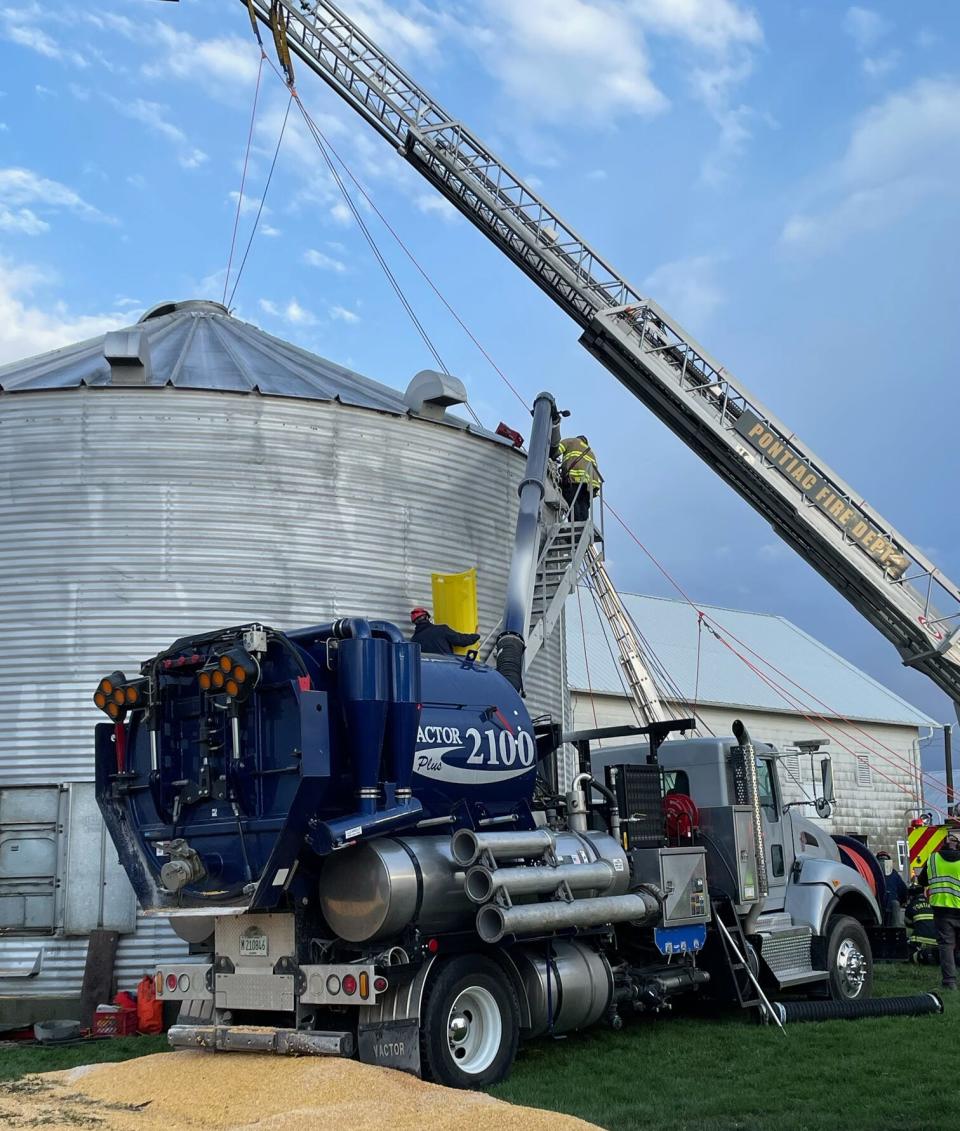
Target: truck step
x: 798, y: 977
x: 787, y: 951
x: 261, y: 1038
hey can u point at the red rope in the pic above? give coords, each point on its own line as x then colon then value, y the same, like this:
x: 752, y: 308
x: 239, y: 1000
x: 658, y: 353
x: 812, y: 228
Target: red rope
x: 243, y: 176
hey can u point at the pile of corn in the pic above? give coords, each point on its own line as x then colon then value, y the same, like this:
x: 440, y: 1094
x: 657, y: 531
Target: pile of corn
x: 239, y: 1091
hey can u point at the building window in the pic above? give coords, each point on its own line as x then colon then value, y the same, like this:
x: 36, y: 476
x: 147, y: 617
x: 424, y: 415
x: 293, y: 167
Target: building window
x: 863, y: 770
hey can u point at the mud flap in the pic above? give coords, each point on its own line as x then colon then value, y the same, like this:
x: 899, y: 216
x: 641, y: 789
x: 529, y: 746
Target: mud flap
x: 391, y: 1044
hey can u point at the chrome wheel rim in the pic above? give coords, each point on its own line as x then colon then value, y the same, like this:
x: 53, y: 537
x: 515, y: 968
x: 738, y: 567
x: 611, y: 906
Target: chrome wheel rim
x: 474, y: 1030
x: 851, y: 968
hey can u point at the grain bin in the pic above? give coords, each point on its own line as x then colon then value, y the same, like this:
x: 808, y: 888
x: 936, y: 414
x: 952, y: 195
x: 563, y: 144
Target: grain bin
x: 185, y: 473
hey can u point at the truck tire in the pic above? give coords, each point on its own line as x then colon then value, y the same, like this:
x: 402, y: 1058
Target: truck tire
x: 470, y: 1024
x: 849, y: 960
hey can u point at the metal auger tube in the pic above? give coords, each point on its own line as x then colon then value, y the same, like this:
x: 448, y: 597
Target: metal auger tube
x: 466, y: 845
x: 494, y: 922
x: 483, y: 883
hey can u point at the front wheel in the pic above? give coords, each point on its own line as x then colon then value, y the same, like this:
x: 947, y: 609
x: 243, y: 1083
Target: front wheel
x: 470, y: 1024
x: 849, y: 960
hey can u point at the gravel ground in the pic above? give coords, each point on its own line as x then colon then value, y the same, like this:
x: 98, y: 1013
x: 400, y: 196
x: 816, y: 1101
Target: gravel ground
x: 241, y: 1092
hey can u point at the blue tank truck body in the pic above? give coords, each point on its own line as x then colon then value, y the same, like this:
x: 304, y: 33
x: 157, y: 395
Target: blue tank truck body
x: 369, y: 854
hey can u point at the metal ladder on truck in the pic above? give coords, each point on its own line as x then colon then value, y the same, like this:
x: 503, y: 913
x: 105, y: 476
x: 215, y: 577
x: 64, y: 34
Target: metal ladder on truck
x: 888, y: 580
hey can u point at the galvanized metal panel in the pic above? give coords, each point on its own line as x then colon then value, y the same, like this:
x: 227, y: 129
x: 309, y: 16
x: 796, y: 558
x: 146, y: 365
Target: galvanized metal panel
x: 63, y: 960
x: 29, y: 852
x: 134, y: 516
x: 96, y: 891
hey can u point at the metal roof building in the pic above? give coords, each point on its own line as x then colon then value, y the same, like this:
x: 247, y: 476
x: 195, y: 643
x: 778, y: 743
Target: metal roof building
x: 872, y: 733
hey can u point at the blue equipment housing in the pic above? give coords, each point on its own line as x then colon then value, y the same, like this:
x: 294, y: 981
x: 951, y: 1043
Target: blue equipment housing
x: 332, y: 734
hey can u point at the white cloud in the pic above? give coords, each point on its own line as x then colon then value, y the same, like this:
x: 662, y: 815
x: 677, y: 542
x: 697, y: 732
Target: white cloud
x: 433, y: 204
x: 687, y: 286
x: 269, y: 230
x: 865, y: 27
x: 29, y: 327
x: 44, y: 91
x: 549, y: 53
x: 290, y: 312
x: 597, y: 175
x: 325, y: 262
x: 569, y: 60
x: 341, y: 213
x: 341, y: 314
x: 22, y: 188
x: 153, y: 115
x: 18, y: 26
x: 249, y: 203
x: 22, y: 221
x: 226, y: 66
x: 902, y: 151
x: 876, y: 66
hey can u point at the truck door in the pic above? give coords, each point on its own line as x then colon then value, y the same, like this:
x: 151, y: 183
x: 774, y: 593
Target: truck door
x: 773, y: 832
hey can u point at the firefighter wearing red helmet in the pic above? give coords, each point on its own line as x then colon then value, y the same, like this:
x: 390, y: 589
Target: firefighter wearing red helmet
x: 438, y: 639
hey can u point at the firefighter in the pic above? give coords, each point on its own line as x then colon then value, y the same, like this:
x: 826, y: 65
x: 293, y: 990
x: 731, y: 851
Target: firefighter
x: 579, y: 476
x: 941, y: 878
x: 921, y: 934
x: 438, y: 639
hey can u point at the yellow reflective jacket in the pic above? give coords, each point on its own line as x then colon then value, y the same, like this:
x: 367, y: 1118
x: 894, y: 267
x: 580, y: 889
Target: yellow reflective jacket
x: 578, y: 464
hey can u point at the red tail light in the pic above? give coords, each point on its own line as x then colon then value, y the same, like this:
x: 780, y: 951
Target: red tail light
x: 349, y: 984
x: 171, y: 981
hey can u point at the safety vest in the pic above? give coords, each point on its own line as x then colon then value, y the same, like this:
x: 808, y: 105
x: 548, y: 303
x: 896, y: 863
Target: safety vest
x: 578, y: 464
x: 943, y: 888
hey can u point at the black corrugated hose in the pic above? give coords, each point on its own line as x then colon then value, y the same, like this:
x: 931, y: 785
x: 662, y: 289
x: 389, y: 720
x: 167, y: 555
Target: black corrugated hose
x: 912, y: 1005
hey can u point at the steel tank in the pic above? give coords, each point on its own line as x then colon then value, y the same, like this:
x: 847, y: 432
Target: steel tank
x: 244, y: 479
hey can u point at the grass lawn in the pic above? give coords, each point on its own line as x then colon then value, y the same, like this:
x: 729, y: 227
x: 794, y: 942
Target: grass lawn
x: 729, y: 1074
x: 703, y: 1072
x: 16, y: 1062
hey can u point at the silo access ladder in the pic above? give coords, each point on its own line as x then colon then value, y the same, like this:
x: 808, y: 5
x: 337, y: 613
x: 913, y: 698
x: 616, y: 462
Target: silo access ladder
x: 564, y: 548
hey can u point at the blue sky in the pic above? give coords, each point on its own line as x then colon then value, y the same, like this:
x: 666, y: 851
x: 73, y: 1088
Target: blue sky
x: 780, y: 177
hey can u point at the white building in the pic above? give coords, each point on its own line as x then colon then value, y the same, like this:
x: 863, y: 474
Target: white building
x: 808, y: 693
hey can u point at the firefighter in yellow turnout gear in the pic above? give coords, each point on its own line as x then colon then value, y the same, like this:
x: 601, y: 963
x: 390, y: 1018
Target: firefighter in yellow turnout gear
x: 580, y: 477
x: 941, y: 878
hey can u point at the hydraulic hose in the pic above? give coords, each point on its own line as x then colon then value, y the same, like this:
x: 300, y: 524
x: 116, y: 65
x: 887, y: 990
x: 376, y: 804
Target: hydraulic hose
x: 911, y: 1006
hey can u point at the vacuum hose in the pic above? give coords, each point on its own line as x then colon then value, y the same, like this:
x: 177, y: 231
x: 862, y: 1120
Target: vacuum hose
x: 913, y: 1005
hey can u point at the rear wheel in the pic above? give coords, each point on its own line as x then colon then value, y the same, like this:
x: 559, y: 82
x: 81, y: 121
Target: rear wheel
x: 470, y: 1024
x: 849, y: 960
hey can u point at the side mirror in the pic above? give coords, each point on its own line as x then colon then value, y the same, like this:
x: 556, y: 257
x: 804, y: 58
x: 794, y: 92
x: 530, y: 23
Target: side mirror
x: 824, y: 804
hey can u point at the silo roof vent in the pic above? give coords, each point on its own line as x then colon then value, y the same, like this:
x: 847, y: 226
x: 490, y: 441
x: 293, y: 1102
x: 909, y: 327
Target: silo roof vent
x: 431, y: 393
x: 128, y: 354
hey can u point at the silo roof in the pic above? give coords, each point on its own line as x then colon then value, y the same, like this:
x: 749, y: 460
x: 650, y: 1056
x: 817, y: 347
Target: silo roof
x: 199, y: 345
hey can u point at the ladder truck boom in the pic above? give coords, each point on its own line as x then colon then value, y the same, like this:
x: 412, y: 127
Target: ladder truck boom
x: 887, y: 579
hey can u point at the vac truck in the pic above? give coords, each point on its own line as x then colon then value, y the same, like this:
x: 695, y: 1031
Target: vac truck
x: 368, y: 852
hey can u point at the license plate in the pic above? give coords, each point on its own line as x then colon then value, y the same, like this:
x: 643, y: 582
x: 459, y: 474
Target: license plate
x: 254, y: 945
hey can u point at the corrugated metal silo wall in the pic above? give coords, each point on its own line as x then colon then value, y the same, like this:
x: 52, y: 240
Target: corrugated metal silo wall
x: 133, y: 516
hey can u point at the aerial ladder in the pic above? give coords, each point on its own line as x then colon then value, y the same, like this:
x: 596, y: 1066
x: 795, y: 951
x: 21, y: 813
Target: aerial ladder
x: 887, y: 579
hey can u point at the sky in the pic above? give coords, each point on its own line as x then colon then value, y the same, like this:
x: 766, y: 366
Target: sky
x: 780, y: 177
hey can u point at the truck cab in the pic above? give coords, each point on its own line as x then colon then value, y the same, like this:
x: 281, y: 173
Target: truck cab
x: 813, y: 920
